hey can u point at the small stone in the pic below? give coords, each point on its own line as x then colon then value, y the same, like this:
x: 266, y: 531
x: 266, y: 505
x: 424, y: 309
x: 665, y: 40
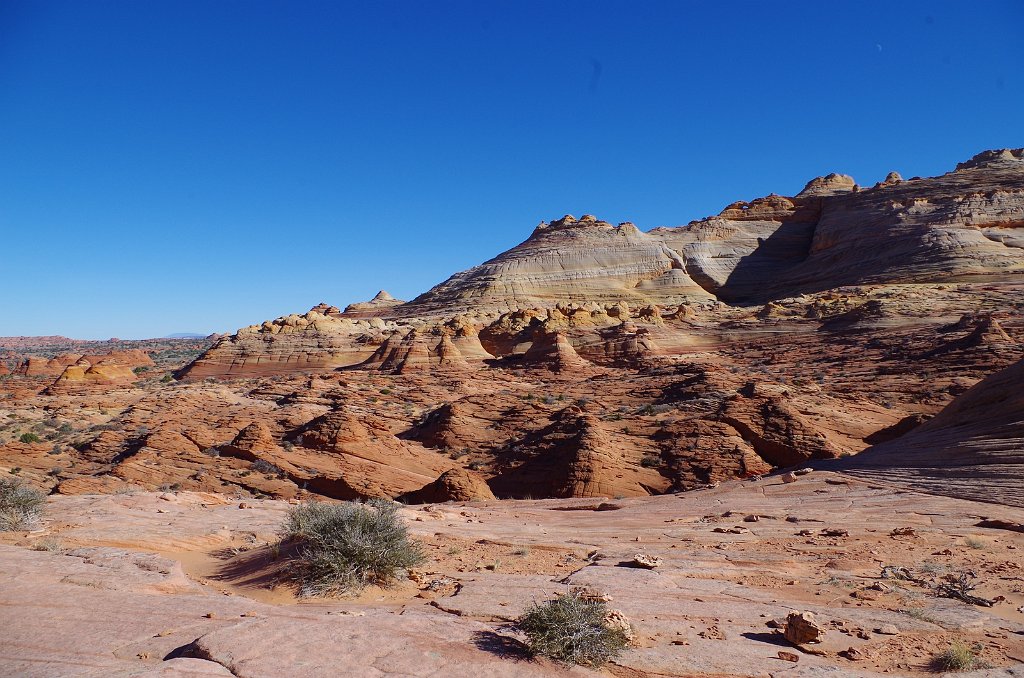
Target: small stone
x: 903, y: 532
x: 646, y: 561
x: 835, y: 532
x: 789, y: 477
x: 801, y: 627
x: 210, y: 615
x: 888, y: 630
x: 853, y: 654
x: 803, y: 471
x: 243, y: 505
x: 788, y: 656
x: 615, y: 619
x: 752, y: 518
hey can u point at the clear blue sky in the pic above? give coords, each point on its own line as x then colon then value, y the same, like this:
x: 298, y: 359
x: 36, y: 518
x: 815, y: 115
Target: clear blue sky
x: 200, y: 166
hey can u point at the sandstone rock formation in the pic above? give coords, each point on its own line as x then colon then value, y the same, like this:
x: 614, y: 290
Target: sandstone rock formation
x: 376, y: 306
x: 974, y: 448
x: 453, y: 485
x: 117, y: 368
x: 584, y: 260
x: 590, y: 360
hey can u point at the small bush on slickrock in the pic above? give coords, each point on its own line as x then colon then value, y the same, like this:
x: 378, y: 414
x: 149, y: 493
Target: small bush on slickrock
x: 958, y: 657
x: 344, y: 547
x: 572, y: 629
x: 20, y: 505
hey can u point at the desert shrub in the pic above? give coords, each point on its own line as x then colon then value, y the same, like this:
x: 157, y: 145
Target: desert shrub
x: 30, y: 438
x: 264, y: 466
x: 344, y: 547
x: 20, y: 505
x: 957, y: 657
x: 650, y: 461
x: 572, y: 629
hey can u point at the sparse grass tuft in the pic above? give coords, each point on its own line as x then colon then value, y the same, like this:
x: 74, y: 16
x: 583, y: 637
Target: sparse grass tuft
x: 20, y: 505
x: 920, y: 614
x: 346, y: 546
x: 975, y: 543
x: 49, y: 545
x: 572, y: 629
x: 957, y: 657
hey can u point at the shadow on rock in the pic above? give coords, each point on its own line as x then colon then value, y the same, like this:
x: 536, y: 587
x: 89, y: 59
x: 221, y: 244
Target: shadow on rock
x: 262, y: 567
x: 505, y: 647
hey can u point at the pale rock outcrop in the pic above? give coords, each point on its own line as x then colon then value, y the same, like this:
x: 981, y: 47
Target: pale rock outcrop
x: 379, y: 305
x: 569, y: 260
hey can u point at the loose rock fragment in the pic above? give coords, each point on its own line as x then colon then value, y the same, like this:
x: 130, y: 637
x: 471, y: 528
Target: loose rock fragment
x: 801, y: 627
x: 646, y: 561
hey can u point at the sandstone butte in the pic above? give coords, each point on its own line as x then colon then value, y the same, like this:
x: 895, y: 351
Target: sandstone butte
x: 782, y: 403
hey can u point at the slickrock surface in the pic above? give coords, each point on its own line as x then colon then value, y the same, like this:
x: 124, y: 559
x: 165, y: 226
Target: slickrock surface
x: 163, y: 584
x: 974, y: 448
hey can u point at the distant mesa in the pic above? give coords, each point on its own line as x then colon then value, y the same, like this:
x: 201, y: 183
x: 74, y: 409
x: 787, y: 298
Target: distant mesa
x: 188, y: 335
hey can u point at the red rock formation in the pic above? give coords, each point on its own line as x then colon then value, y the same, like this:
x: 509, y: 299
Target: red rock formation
x: 973, y: 449
x: 454, y: 485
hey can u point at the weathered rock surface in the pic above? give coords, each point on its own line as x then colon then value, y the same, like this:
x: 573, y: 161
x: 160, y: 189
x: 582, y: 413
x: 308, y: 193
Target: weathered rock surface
x: 172, y: 583
x: 454, y: 485
x: 974, y: 448
x: 569, y: 259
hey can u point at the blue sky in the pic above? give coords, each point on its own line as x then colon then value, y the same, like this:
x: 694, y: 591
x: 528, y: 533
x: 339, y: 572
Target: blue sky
x: 200, y: 166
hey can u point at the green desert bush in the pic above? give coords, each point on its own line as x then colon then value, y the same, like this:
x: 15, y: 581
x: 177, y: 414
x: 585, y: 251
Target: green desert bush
x: 344, y: 547
x: 20, y: 505
x: 572, y: 629
x: 30, y: 438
